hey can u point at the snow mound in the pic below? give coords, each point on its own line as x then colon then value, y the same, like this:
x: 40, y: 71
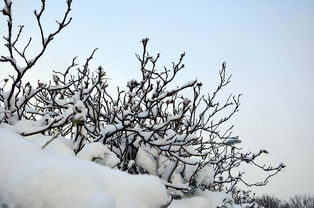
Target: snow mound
x: 96, y: 151
x: 32, y: 177
x: 59, y: 145
x: 195, y: 202
x: 43, y: 172
x: 205, y: 199
x: 216, y: 199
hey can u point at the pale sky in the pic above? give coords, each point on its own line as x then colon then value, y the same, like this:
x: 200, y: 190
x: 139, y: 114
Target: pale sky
x: 268, y: 46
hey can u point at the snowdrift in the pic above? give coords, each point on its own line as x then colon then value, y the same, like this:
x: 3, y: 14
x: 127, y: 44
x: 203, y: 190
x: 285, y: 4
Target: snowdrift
x: 53, y: 177
x: 32, y: 177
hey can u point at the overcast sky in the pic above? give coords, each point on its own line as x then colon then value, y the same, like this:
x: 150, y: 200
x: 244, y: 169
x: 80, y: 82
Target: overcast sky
x: 268, y: 46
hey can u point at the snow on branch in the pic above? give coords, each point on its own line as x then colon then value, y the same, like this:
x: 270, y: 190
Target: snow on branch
x: 147, y: 128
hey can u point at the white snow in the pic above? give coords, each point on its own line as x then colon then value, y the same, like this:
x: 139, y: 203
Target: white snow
x: 59, y: 145
x: 195, y: 202
x: 29, y: 126
x: 42, y: 171
x: 80, y: 111
x: 216, y: 199
x: 205, y: 199
x: 33, y: 178
x: 98, y: 151
x: 205, y: 176
x: 145, y: 159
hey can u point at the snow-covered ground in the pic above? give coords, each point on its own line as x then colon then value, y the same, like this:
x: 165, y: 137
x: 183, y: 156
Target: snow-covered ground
x: 35, y: 174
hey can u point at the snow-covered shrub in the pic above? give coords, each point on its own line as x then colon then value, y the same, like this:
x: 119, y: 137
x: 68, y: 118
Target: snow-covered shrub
x: 149, y: 127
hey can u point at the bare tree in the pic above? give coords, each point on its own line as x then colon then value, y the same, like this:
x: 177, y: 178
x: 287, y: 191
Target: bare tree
x: 267, y: 201
x: 301, y: 201
x: 296, y: 201
x: 16, y: 98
